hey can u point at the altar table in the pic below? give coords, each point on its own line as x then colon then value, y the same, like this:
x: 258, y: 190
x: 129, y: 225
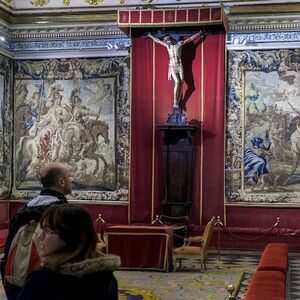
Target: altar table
x: 140, y: 246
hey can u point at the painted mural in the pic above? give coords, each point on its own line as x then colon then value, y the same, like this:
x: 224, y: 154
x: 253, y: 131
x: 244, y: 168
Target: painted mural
x: 263, y: 128
x: 73, y: 111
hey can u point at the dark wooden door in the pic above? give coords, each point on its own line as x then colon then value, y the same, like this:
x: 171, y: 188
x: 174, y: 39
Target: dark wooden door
x: 178, y: 161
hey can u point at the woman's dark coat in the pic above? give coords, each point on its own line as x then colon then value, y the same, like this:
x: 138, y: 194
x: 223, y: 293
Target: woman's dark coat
x: 90, y: 279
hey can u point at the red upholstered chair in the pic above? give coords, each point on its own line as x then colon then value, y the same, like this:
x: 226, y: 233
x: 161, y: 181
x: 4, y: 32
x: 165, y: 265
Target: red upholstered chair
x: 189, y: 251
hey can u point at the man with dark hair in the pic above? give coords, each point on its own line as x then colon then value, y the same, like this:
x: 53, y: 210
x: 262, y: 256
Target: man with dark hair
x: 57, y: 182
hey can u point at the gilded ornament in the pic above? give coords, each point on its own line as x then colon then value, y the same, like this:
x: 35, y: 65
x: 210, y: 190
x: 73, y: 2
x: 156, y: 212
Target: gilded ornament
x: 40, y: 2
x: 93, y: 2
x: 66, y: 2
x: 122, y: 1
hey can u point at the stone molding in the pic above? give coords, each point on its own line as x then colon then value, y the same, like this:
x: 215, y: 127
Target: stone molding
x: 101, y: 40
x: 263, y: 23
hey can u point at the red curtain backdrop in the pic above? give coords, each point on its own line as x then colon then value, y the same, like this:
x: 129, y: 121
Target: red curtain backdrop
x: 141, y: 131
x: 213, y: 121
x: 152, y: 101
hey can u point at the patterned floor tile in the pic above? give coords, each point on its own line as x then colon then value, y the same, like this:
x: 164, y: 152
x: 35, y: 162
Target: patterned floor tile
x: 214, y: 262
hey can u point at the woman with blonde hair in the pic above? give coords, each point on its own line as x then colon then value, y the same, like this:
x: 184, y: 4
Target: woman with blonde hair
x: 72, y: 269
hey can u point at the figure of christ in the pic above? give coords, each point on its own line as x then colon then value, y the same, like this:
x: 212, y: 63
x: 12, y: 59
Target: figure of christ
x: 175, y: 71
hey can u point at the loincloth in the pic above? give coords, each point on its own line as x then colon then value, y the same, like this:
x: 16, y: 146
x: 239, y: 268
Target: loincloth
x: 175, y: 70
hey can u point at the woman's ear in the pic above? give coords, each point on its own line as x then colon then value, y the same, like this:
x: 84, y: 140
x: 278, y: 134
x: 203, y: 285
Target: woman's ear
x: 61, y: 181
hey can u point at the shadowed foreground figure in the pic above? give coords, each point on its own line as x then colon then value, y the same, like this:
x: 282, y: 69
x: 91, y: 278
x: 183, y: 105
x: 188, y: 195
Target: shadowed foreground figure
x: 57, y: 182
x: 72, y: 269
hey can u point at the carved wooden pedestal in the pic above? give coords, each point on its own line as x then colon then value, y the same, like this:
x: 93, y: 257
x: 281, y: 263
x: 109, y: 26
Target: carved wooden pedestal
x: 178, y: 162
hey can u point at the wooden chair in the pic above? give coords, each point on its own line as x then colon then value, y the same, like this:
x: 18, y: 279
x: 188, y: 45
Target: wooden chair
x: 188, y: 251
x: 101, y: 225
x: 180, y: 226
x: 101, y: 247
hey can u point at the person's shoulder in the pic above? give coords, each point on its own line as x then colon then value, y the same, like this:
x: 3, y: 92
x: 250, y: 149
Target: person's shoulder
x: 39, y: 279
x: 44, y: 200
x: 37, y: 285
x: 40, y: 274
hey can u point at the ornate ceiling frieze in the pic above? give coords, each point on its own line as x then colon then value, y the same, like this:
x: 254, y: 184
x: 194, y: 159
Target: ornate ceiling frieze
x: 93, y: 2
x: 263, y: 40
x: 25, y: 24
x: 19, y: 5
x: 25, y: 41
x: 268, y: 23
x: 20, y: 33
x: 40, y: 3
x: 106, y: 44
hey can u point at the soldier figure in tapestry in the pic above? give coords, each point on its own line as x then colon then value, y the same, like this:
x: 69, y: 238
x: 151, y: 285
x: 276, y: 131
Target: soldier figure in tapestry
x: 57, y: 127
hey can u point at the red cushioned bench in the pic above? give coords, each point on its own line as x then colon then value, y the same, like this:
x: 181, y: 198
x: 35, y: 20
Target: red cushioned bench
x: 266, y: 285
x: 269, y: 280
x: 274, y: 258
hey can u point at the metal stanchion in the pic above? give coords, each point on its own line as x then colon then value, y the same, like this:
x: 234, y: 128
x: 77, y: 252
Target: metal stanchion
x: 98, y: 223
x: 277, y: 224
x: 157, y: 221
x: 230, y: 289
x: 219, y: 224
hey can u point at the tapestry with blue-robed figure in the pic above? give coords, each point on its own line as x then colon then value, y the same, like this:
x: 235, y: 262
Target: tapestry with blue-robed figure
x: 263, y: 127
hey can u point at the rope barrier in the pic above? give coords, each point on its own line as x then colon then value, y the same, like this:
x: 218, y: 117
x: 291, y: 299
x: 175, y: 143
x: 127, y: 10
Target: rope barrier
x: 221, y: 226
x: 250, y: 239
x: 179, y: 236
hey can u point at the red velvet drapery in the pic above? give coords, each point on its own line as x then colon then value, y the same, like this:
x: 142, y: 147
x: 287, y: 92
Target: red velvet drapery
x: 204, y: 65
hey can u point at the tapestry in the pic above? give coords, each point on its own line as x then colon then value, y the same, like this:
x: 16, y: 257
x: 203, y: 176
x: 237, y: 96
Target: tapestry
x: 5, y: 126
x: 263, y: 127
x: 75, y: 111
x: 1, y: 115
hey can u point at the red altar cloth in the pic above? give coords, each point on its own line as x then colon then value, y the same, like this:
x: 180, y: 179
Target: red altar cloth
x: 140, y: 246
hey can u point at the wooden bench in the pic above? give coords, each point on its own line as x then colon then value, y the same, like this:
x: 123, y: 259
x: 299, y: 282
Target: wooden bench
x: 269, y: 280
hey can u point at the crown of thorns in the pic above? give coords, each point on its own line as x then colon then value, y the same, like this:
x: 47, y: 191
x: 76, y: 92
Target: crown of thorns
x: 168, y: 37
